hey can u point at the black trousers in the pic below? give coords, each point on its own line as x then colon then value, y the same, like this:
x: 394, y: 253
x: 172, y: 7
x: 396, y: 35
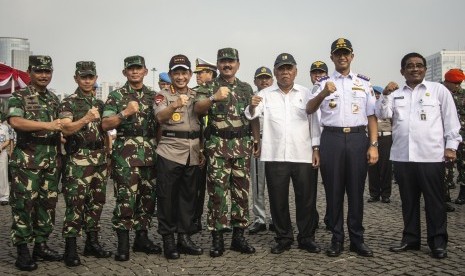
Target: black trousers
x: 380, y: 174
x: 414, y: 180
x: 176, y: 189
x: 344, y: 170
x: 278, y: 176
x: 200, y: 194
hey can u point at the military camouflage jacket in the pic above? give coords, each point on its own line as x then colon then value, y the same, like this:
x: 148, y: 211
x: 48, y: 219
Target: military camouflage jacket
x: 135, y: 142
x: 228, y: 115
x: 459, y: 100
x: 29, y: 104
x: 89, y: 136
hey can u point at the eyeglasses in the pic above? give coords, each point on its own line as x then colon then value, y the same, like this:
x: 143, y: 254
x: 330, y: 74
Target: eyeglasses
x: 412, y: 66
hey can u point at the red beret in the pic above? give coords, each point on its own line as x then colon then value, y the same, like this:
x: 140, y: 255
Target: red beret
x: 454, y: 76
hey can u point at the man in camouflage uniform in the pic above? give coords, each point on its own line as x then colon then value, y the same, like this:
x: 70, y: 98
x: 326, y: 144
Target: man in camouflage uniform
x: 84, y: 185
x: 33, y: 113
x: 129, y: 109
x: 177, y: 160
x: 452, y: 80
x: 228, y: 148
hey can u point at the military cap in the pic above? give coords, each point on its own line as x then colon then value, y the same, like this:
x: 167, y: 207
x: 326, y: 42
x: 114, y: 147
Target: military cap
x: 454, y: 76
x: 283, y: 59
x: 40, y: 62
x: 319, y: 65
x: 85, y: 68
x: 134, y: 60
x: 179, y: 61
x: 341, y: 43
x: 263, y: 71
x: 164, y: 77
x: 228, y: 53
x: 378, y: 89
x: 201, y: 65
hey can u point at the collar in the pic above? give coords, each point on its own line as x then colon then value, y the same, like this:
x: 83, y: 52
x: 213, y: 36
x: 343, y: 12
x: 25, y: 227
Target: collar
x: 337, y: 75
x: 423, y: 83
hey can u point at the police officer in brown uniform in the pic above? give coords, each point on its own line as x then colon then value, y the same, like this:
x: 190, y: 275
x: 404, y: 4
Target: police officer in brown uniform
x: 178, y: 160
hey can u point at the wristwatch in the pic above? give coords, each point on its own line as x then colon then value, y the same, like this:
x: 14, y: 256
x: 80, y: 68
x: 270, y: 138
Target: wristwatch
x: 121, y: 116
x: 316, y: 148
x: 374, y: 144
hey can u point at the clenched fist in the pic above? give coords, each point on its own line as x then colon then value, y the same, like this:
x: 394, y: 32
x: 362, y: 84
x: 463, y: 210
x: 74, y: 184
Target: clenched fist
x: 93, y: 114
x: 181, y: 101
x: 222, y: 93
x: 390, y: 87
x: 329, y: 88
x: 255, y: 101
x: 132, y: 108
x: 55, y: 125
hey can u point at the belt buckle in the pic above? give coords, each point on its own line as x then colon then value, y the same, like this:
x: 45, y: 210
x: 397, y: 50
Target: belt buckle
x: 346, y: 130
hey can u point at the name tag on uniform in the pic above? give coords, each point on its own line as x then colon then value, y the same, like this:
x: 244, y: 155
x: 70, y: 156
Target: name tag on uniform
x: 355, y: 108
x: 423, y: 115
x: 399, y: 98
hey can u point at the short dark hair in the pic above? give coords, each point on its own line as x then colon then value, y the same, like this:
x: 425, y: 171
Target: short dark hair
x: 411, y: 55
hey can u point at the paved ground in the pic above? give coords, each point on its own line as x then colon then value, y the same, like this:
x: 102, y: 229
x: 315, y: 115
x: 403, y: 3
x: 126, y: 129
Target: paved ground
x: 383, y: 225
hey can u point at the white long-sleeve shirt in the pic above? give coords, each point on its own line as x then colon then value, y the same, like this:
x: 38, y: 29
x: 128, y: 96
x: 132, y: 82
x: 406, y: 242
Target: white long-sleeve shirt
x: 424, y: 122
x: 288, y: 133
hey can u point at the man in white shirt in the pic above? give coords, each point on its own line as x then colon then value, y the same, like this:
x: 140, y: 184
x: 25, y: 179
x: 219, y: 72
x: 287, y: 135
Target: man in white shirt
x: 287, y: 152
x: 425, y: 131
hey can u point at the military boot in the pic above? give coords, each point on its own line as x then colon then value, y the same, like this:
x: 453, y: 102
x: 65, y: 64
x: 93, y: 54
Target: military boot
x: 169, y: 246
x: 239, y: 243
x: 187, y: 246
x: 122, y: 252
x: 24, y: 261
x: 93, y: 247
x: 461, y: 198
x: 217, y: 248
x: 43, y: 252
x: 71, y: 256
x: 142, y: 243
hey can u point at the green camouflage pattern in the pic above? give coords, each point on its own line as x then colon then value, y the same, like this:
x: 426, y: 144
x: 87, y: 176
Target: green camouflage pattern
x: 40, y: 62
x: 135, y: 197
x: 30, y: 104
x: 85, y: 68
x: 131, y: 151
x: 84, y: 190
x: 33, y: 198
x: 227, y: 53
x: 459, y: 100
x: 75, y: 107
x: 134, y: 60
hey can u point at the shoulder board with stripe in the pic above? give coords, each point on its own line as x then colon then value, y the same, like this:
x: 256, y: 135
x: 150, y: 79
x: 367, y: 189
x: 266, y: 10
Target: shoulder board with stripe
x: 363, y: 77
x: 322, y: 78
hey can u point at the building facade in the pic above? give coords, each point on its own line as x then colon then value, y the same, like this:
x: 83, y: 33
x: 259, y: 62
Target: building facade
x: 15, y: 52
x: 439, y: 63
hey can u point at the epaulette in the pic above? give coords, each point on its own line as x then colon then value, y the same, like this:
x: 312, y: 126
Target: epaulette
x: 320, y: 79
x: 363, y: 77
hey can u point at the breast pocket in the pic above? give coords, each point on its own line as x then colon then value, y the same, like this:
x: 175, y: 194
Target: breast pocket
x: 299, y: 110
x: 400, y: 109
x: 275, y: 112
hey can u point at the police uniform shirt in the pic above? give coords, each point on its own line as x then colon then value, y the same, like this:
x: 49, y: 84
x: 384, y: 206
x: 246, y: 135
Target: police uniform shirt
x: 178, y: 150
x: 286, y: 131
x: 424, y: 121
x: 350, y: 104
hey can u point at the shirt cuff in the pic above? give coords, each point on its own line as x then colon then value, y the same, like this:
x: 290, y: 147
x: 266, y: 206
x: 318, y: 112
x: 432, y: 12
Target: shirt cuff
x: 452, y: 144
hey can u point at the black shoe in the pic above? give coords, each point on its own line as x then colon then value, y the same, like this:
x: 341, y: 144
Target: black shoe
x: 122, y: 251
x: 361, y: 249
x: 439, y: 253
x: 217, y: 248
x: 43, y: 252
x: 4, y: 203
x: 187, y: 246
x: 24, y: 262
x: 449, y: 208
x: 335, y: 249
x: 169, y: 246
x: 385, y: 200
x: 71, y: 256
x: 257, y: 227
x: 460, y: 201
x: 373, y: 199
x: 271, y: 227
x: 281, y: 246
x: 142, y: 243
x: 405, y: 247
x: 239, y: 243
x: 93, y: 247
x: 461, y: 198
x: 310, y: 246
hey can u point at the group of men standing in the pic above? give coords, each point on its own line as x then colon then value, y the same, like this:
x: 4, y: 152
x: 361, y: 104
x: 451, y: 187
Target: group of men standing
x: 189, y: 140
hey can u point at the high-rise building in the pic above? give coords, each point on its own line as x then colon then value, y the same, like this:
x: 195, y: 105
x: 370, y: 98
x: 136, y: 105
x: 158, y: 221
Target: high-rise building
x: 105, y: 88
x: 15, y: 52
x: 439, y: 63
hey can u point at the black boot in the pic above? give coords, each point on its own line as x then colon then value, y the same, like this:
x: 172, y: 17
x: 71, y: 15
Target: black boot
x: 217, y: 248
x: 142, y: 243
x: 239, y: 243
x: 71, y: 256
x: 187, y: 246
x: 461, y: 198
x: 43, y: 252
x: 24, y: 261
x: 169, y: 246
x: 93, y: 247
x: 122, y: 252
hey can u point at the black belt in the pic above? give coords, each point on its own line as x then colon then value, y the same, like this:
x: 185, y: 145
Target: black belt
x: 135, y: 132
x: 345, y: 129
x: 230, y: 134
x: 181, y: 134
x: 93, y: 146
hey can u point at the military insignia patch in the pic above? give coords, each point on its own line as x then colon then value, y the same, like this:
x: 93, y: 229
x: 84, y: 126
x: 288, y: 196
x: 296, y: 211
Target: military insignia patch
x: 176, y: 117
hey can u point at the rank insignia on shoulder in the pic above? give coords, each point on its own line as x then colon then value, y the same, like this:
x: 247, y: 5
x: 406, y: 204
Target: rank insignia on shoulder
x: 322, y: 78
x: 363, y: 77
x: 159, y: 98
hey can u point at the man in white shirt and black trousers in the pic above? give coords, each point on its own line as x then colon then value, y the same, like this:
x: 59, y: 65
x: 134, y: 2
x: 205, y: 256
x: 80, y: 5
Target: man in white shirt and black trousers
x: 425, y: 132
x: 290, y: 152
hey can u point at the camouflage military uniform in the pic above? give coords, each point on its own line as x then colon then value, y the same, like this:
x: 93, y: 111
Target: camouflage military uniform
x: 34, y: 167
x: 84, y: 186
x: 133, y: 159
x: 228, y: 148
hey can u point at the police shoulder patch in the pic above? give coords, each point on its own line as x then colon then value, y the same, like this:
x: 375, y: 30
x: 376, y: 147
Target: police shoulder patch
x: 363, y: 77
x: 159, y: 98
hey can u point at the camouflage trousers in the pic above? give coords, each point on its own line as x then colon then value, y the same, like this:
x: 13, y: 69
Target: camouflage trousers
x: 84, y: 190
x: 33, y: 198
x: 135, y: 197
x: 460, y: 163
x: 228, y: 178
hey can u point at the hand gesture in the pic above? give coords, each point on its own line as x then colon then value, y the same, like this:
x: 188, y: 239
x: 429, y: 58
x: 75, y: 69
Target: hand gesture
x: 182, y: 101
x: 390, y: 87
x: 55, y: 125
x: 255, y: 100
x: 93, y: 114
x: 329, y: 88
x: 222, y: 93
x: 132, y: 108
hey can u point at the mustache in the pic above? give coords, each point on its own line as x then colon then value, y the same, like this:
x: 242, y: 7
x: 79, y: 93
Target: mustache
x: 227, y: 67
